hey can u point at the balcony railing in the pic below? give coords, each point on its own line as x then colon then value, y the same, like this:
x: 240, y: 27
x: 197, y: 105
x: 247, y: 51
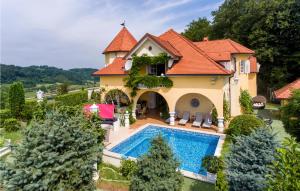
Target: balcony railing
x: 153, y: 82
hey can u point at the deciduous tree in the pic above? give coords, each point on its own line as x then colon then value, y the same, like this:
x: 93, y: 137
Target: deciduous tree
x: 16, y: 99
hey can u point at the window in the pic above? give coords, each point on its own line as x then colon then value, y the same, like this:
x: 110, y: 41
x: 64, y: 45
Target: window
x: 242, y: 66
x: 157, y: 69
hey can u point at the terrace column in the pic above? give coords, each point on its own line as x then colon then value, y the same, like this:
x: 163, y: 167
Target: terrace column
x: 172, y: 118
x: 220, y: 124
x: 127, y: 122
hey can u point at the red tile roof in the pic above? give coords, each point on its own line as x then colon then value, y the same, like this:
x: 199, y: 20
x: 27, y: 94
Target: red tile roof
x: 221, y: 50
x: 124, y: 41
x: 193, y: 61
x: 115, y: 68
x: 285, y: 91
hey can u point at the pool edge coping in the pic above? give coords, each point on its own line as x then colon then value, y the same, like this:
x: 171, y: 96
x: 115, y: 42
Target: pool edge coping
x: 189, y: 174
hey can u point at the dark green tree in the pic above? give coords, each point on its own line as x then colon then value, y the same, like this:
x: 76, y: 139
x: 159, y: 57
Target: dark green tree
x: 248, y: 160
x: 157, y: 170
x: 198, y: 29
x: 16, y: 99
x: 291, y: 115
x: 285, y: 174
x: 58, y: 154
x: 63, y: 89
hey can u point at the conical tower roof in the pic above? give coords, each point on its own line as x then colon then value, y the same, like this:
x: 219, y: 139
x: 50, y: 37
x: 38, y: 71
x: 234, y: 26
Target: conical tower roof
x: 123, y: 42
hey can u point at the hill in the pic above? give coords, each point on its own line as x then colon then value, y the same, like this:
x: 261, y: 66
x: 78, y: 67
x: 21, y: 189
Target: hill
x: 33, y: 75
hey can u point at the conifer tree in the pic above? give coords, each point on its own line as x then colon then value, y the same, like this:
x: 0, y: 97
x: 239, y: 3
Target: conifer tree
x: 16, y: 99
x: 57, y: 154
x: 248, y: 160
x: 157, y: 170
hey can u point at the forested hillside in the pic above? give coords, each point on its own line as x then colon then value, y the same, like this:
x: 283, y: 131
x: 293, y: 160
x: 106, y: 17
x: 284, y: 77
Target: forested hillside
x: 33, y: 75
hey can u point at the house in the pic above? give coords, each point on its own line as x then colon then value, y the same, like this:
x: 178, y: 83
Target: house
x: 283, y: 94
x: 203, y: 73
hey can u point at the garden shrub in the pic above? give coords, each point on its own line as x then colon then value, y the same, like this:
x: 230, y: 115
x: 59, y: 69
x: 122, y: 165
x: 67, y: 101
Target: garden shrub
x: 247, y: 163
x: 157, y: 170
x: 291, y: 115
x: 212, y: 164
x: 285, y: 169
x: 4, y: 114
x: 29, y: 108
x: 11, y: 124
x: 40, y: 112
x: 72, y: 99
x: 243, y: 125
x: 55, y: 154
x: 214, y: 116
x: 128, y: 167
x: 246, y: 102
x: 226, y: 110
x: 221, y: 182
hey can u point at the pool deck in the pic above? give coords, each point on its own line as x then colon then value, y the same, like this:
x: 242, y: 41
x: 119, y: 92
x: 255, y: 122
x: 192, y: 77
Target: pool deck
x: 123, y: 133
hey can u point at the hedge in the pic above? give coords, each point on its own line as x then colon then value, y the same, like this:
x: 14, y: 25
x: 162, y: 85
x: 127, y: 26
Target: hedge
x: 72, y: 99
x: 243, y: 125
x: 4, y: 114
x: 29, y: 108
x: 11, y: 124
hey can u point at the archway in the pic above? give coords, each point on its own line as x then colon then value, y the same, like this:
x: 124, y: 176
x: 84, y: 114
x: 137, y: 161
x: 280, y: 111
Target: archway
x: 193, y: 103
x: 117, y: 97
x: 153, y: 105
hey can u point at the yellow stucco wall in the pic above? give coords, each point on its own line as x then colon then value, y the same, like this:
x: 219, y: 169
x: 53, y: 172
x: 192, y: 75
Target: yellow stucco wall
x: 182, y: 85
x: 252, y: 84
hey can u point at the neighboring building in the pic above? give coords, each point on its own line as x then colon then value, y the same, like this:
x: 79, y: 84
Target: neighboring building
x: 206, y: 71
x: 284, y: 93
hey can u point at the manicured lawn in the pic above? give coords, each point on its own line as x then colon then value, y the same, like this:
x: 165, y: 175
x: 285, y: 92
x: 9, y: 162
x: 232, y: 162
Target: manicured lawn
x: 14, y: 136
x: 196, y: 185
x: 272, y: 111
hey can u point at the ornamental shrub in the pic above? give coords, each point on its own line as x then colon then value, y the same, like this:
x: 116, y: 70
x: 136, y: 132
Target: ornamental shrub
x: 4, y: 114
x: 56, y: 154
x: 226, y: 110
x: 221, y: 182
x: 285, y: 169
x: 72, y: 99
x: 11, y: 124
x: 246, y: 102
x: 212, y: 164
x: 128, y: 167
x: 29, y: 108
x: 291, y: 115
x: 16, y: 99
x: 243, y: 125
x: 247, y: 163
x: 157, y: 170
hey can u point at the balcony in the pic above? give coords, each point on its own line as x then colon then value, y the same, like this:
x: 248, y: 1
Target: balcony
x: 153, y: 82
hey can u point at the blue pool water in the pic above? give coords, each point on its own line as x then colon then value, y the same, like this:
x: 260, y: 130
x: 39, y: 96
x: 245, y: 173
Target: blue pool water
x: 189, y: 147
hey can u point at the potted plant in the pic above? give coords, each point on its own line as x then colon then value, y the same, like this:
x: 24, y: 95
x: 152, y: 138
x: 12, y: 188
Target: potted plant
x: 212, y: 164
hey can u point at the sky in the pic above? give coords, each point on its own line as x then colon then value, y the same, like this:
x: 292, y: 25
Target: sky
x: 73, y: 33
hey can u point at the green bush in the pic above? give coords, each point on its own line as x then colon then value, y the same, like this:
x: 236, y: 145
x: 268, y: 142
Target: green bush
x: 247, y: 163
x: 246, y: 102
x: 2, y: 141
x: 285, y: 170
x: 4, y: 114
x: 16, y: 99
x: 29, y: 108
x: 11, y: 124
x: 72, y: 99
x: 226, y: 110
x: 212, y: 164
x: 291, y: 115
x: 128, y: 167
x: 214, y: 116
x: 243, y: 125
x: 221, y: 182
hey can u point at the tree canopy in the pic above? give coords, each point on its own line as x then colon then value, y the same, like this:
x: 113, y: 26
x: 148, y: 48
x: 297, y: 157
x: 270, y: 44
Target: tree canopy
x: 57, y: 154
x: 271, y: 28
x: 157, y: 170
x: 198, y: 29
x: 16, y: 99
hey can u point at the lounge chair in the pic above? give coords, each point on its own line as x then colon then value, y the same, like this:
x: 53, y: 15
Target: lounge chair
x: 185, y: 118
x: 198, y: 119
x: 207, y: 121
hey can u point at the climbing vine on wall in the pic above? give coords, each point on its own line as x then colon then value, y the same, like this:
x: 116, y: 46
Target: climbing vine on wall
x: 135, y: 78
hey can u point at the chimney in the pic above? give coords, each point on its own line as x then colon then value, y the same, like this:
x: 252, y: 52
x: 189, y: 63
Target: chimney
x: 205, y: 38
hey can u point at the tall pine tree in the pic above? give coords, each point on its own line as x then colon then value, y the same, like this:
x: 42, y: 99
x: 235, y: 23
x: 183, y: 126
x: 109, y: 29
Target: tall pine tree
x: 57, y: 154
x: 16, y: 99
x: 157, y: 170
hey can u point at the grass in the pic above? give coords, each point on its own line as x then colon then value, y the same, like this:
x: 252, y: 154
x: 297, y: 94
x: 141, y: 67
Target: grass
x: 196, y: 185
x: 15, y: 136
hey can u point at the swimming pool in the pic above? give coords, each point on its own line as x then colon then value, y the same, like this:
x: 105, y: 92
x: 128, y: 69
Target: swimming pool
x: 188, y: 147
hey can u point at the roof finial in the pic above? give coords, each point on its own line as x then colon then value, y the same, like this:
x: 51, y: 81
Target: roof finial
x: 123, y: 24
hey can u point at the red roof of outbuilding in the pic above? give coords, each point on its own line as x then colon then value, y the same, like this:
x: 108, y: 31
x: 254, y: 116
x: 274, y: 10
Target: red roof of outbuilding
x: 221, y: 50
x: 124, y: 41
x: 285, y: 91
x: 115, y: 68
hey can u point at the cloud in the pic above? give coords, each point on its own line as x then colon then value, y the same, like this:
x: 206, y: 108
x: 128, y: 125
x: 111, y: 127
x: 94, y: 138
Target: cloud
x: 73, y: 33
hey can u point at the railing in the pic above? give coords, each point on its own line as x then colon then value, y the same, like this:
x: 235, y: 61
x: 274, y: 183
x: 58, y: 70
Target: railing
x: 146, y: 82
